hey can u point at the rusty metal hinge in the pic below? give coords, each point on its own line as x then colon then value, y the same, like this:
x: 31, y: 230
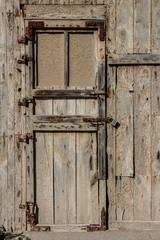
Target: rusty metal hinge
x: 26, y: 138
x: 25, y: 102
x: 23, y: 40
x: 25, y: 60
x: 99, y: 24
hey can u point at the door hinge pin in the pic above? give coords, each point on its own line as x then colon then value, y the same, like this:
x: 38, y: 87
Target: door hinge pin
x: 24, y: 60
x: 26, y: 138
x: 23, y: 40
x: 25, y: 102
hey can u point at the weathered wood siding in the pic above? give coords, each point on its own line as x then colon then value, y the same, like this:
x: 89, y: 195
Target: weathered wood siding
x: 133, y: 150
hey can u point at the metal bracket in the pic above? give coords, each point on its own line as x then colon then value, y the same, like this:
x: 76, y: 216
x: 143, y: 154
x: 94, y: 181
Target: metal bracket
x: 25, y: 102
x: 24, y: 60
x: 99, y: 24
x: 32, y: 26
x: 31, y: 217
x: 26, y: 138
x: 102, y: 227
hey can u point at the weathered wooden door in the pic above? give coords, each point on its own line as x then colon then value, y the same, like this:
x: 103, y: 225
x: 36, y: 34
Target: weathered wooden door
x: 68, y: 89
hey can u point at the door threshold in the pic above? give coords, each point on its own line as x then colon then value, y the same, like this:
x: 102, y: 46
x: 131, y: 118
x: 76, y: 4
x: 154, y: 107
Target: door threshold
x: 66, y: 227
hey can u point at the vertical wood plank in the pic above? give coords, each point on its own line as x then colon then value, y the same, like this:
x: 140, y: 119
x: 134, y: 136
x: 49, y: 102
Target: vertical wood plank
x: 155, y: 27
x: 64, y: 178
x: 124, y: 26
x: 142, y: 125
x: 124, y: 115
x: 11, y: 111
x: 44, y: 177
x: 87, y: 179
x: 3, y: 114
x: 111, y: 84
x: 142, y: 25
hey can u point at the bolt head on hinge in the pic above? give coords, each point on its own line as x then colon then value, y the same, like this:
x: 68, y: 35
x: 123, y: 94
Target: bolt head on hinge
x: 24, y: 60
x: 26, y: 138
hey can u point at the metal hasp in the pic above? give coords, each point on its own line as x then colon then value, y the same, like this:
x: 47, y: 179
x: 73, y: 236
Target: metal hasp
x: 99, y: 24
x: 32, y: 26
x: 26, y: 138
x: 92, y: 228
x: 110, y: 120
x: 25, y: 102
x: 24, y: 60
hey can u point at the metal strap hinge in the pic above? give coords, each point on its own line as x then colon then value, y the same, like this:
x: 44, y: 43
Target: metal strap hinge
x: 25, y: 102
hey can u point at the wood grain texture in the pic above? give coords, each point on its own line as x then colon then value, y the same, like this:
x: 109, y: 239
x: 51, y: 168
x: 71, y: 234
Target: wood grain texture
x: 124, y: 115
x: 155, y: 37
x: 44, y: 177
x: 142, y: 25
x: 142, y: 128
x: 64, y: 176
x: 124, y: 26
x: 61, y: 12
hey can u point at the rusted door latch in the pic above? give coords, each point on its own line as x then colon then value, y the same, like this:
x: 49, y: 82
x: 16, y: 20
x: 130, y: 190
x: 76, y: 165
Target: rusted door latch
x: 26, y: 138
x: 25, y: 102
x: 25, y: 60
x: 110, y: 120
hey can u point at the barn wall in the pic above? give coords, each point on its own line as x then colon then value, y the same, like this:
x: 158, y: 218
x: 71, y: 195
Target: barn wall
x: 133, y: 150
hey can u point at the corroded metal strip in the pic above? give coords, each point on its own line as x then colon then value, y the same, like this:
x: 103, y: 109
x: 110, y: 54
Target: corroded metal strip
x: 32, y: 25
x: 99, y: 24
x: 102, y: 227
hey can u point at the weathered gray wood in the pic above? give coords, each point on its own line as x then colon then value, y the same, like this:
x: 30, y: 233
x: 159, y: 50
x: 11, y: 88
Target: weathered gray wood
x: 76, y: 93
x: 64, y: 12
x: 64, y: 176
x: 155, y: 154
x: 142, y: 26
x: 86, y: 178
x: 134, y: 59
x: 124, y: 26
x: 124, y: 187
x: 142, y: 130
x: 155, y: 37
x: 124, y: 115
x: 132, y: 225
x: 44, y: 177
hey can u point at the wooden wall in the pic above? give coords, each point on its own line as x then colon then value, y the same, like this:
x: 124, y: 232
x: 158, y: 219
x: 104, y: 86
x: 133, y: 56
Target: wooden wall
x: 133, y: 150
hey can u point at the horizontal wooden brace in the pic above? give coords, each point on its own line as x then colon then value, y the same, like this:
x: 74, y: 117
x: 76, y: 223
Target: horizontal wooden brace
x: 67, y: 93
x: 134, y: 59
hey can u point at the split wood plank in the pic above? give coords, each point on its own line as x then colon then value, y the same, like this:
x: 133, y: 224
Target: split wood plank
x: 64, y: 178
x: 124, y: 115
x: 134, y: 59
x: 44, y: 177
x: 61, y: 12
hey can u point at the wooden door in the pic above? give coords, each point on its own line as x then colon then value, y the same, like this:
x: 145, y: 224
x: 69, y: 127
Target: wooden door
x: 68, y: 89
